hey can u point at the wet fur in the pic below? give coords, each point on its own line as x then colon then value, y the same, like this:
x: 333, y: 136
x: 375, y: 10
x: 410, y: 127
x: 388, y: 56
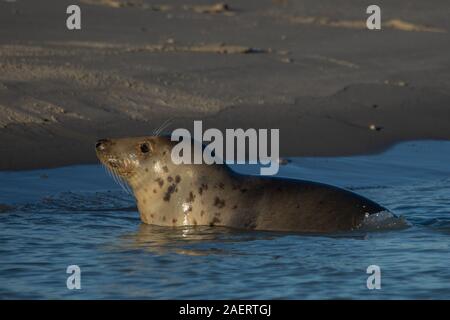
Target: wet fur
x: 177, y: 195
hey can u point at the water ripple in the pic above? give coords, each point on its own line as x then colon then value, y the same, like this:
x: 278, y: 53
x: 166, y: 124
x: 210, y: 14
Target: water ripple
x: 96, y: 226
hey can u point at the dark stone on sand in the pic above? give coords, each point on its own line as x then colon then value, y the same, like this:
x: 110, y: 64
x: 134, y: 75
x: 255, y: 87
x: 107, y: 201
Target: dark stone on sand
x: 5, y: 208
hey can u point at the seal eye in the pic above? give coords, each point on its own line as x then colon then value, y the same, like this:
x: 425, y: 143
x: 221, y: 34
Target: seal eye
x: 145, y: 148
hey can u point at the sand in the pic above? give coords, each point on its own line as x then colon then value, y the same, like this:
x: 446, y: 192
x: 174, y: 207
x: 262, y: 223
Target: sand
x: 313, y: 70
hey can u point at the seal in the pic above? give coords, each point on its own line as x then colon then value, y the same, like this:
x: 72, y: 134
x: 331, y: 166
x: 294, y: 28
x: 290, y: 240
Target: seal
x: 200, y: 194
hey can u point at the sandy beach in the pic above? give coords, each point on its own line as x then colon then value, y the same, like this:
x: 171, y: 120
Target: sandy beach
x: 313, y: 70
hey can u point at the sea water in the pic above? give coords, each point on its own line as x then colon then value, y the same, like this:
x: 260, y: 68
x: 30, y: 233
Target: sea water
x: 55, y: 218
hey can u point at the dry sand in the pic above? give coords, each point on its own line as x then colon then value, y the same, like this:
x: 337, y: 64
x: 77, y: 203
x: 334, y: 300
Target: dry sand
x: 312, y: 70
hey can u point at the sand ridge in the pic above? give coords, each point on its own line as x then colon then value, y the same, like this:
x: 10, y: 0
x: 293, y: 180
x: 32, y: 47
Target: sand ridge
x: 215, y: 8
x: 396, y: 24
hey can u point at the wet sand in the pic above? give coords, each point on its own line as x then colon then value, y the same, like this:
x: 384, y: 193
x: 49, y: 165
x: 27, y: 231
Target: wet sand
x: 312, y: 70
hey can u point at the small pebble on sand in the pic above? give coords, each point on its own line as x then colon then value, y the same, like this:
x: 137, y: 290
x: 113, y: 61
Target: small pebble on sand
x: 287, y: 60
x: 374, y: 127
x: 398, y: 83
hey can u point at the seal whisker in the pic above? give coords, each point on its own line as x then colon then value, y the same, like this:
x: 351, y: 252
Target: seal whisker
x: 119, y: 181
x: 164, y: 125
x: 125, y: 186
x: 155, y: 131
x: 106, y: 170
x: 122, y: 181
x: 114, y: 176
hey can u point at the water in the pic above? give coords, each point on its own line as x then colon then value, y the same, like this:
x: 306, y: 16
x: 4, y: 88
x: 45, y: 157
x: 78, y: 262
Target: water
x: 50, y: 219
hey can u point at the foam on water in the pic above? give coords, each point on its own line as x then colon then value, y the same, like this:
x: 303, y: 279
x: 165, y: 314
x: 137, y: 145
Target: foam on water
x: 383, y: 220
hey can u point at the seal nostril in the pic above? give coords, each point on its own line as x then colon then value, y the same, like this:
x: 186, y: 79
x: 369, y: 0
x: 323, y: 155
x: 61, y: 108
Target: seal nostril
x: 100, y: 145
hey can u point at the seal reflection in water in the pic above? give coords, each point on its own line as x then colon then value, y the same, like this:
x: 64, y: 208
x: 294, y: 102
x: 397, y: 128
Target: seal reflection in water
x: 199, y: 194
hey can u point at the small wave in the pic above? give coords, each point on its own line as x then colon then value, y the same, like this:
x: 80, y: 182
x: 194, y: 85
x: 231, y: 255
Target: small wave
x: 383, y: 220
x: 370, y: 187
x: 81, y: 201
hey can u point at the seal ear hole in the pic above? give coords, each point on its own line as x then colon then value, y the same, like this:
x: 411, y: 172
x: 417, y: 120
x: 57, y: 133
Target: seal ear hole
x: 145, y: 147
